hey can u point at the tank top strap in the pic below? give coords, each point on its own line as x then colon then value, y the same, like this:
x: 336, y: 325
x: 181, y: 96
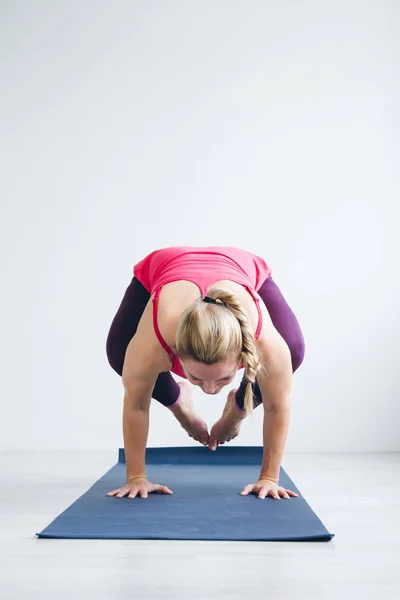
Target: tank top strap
x: 172, y: 356
x: 260, y: 317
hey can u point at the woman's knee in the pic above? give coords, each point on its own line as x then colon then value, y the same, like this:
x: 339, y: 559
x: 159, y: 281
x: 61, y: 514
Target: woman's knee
x: 115, y: 359
x: 297, y: 351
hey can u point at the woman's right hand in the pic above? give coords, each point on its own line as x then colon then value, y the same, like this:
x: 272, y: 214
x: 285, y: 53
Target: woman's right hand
x: 140, y: 486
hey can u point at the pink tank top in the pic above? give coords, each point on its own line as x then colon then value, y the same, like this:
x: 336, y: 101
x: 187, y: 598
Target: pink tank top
x: 202, y: 265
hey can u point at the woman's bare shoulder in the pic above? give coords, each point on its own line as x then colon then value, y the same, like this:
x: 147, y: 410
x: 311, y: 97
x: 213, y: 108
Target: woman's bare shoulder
x: 149, y: 355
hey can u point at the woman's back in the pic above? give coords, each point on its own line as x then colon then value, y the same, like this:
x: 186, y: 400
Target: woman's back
x: 203, y: 265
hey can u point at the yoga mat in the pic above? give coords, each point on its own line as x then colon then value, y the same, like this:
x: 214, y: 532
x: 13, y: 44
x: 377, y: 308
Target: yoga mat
x: 206, y: 503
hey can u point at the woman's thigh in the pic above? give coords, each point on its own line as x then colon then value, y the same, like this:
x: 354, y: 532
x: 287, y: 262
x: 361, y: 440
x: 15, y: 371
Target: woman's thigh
x: 125, y: 323
x: 284, y: 320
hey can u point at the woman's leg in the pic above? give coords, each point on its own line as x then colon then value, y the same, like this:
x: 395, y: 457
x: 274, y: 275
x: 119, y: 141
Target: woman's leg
x: 123, y: 328
x: 286, y: 323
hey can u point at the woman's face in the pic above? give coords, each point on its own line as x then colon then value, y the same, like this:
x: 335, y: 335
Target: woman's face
x: 210, y: 378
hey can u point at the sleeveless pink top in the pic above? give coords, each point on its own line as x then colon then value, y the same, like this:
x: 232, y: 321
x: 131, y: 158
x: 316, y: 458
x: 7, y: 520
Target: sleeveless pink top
x: 202, y: 265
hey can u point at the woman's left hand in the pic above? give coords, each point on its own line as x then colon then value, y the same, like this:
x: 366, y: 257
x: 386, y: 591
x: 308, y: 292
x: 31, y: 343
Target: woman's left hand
x: 263, y: 487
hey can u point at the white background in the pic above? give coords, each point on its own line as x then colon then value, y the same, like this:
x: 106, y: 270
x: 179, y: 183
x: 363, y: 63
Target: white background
x: 128, y: 126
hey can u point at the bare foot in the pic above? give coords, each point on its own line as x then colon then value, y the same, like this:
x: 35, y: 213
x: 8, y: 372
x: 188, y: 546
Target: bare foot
x: 228, y: 426
x: 185, y: 412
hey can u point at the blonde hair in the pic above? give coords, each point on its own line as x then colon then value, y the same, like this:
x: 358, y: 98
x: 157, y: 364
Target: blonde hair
x: 210, y: 333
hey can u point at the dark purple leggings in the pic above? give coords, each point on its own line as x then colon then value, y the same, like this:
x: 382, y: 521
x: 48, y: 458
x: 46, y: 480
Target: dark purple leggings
x: 167, y: 389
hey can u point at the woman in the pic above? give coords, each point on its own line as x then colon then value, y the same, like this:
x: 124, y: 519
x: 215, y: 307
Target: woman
x: 196, y: 311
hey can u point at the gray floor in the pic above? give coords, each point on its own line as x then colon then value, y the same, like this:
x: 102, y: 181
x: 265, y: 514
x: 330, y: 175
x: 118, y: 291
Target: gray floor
x: 356, y: 496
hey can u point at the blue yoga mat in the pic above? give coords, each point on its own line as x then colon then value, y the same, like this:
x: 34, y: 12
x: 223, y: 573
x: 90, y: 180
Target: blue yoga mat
x: 206, y: 503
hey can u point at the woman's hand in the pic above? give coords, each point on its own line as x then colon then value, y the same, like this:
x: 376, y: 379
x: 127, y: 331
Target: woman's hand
x: 263, y: 487
x: 141, y: 486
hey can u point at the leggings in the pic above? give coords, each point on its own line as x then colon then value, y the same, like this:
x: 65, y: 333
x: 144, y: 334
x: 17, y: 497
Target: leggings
x: 166, y: 390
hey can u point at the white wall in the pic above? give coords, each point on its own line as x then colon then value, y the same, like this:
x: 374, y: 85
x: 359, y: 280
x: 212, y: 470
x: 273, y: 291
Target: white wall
x: 129, y: 126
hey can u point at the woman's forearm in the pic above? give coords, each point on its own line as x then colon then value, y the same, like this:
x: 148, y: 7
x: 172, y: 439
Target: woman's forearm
x: 275, y: 430
x: 135, y: 429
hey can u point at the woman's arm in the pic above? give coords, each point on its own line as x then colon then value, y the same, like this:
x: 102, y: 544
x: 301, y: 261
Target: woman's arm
x: 275, y: 386
x: 142, y: 365
x: 135, y: 431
